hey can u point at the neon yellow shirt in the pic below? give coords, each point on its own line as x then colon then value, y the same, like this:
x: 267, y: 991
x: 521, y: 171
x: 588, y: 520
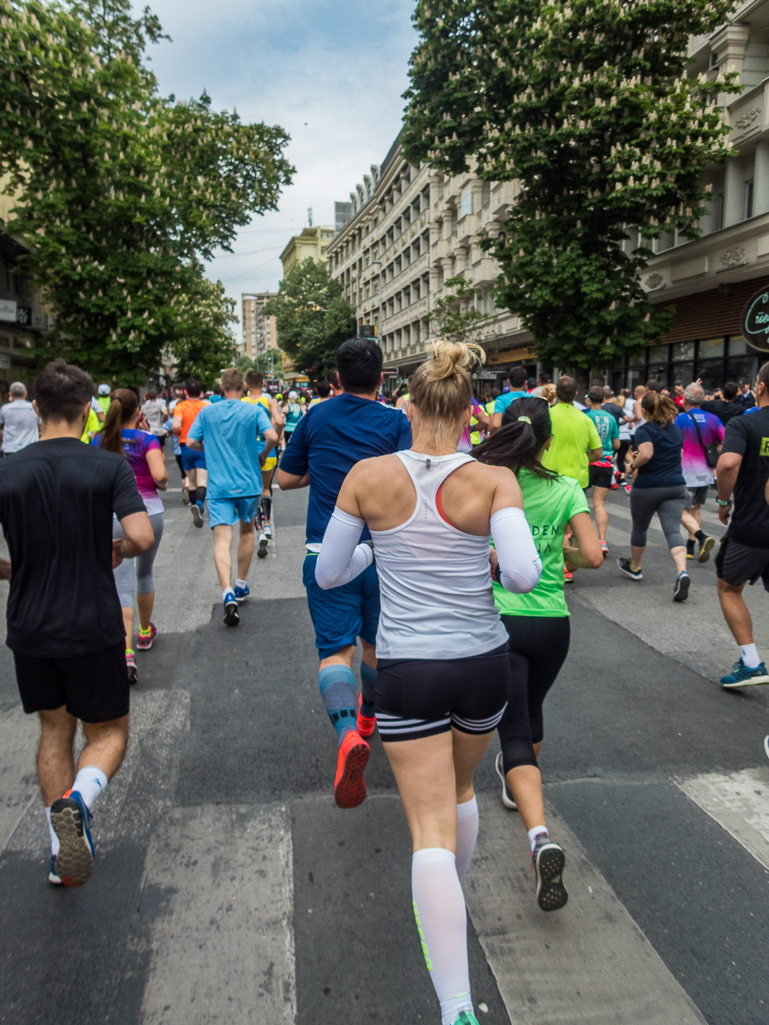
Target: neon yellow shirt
x: 92, y: 426
x: 573, y: 435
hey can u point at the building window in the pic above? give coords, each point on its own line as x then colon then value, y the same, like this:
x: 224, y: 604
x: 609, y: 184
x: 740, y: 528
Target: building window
x: 467, y: 203
x: 749, y: 199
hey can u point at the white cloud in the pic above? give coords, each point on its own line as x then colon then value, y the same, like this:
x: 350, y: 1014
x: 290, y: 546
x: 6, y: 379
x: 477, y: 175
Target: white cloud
x: 331, y: 73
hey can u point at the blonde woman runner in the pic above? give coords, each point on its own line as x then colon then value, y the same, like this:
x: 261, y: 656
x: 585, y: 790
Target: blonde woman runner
x: 443, y: 667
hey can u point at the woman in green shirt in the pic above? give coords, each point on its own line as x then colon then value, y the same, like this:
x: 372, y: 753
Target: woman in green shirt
x: 538, y: 622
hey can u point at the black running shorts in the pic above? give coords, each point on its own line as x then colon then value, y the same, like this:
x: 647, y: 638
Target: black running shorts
x: 93, y: 688
x: 418, y: 697
x: 600, y: 476
x: 737, y: 564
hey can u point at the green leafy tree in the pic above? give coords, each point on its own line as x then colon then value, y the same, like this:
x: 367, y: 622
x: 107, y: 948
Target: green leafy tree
x: 456, y: 315
x: 205, y: 344
x: 121, y: 192
x: 311, y: 317
x: 588, y: 105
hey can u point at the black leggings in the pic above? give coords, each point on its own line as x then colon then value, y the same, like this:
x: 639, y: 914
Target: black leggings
x: 621, y: 453
x: 538, y: 648
x: 178, y: 459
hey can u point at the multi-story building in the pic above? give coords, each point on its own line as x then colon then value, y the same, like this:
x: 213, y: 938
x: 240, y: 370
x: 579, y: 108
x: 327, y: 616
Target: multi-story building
x: 260, y: 333
x: 311, y: 244
x: 22, y: 316
x: 709, y: 280
x: 412, y: 229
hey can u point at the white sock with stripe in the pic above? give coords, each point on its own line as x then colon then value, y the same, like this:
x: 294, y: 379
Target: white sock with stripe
x: 89, y: 783
x: 439, y: 909
x: 467, y: 834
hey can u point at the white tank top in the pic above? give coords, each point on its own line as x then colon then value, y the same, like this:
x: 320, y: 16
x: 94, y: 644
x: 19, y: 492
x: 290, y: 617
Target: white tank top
x: 434, y: 580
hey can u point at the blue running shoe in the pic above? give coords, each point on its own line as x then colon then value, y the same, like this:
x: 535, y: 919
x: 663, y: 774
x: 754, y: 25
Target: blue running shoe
x: 231, y: 615
x: 70, y: 819
x: 53, y: 879
x: 741, y: 676
x: 241, y: 593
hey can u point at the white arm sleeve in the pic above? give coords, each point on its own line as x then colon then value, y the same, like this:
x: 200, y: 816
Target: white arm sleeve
x: 519, y: 562
x: 341, y: 558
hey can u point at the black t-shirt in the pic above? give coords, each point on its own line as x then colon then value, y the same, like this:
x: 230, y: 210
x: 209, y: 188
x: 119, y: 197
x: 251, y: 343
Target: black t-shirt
x: 616, y: 411
x: 664, y: 468
x: 57, y: 498
x: 748, y: 436
x: 725, y: 411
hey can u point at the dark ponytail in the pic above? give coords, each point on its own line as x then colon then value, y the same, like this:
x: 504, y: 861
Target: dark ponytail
x: 121, y: 411
x: 519, y: 441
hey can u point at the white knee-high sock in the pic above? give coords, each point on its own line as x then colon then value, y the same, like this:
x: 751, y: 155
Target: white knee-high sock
x: 439, y: 908
x: 467, y: 834
x: 89, y: 783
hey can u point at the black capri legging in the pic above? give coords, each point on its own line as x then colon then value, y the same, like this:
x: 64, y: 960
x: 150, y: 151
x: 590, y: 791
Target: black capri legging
x: 622, y: 451
x: 538, y: 648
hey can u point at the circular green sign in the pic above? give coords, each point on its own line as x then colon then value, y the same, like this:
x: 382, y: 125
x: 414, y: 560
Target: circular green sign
x: 755, y: 321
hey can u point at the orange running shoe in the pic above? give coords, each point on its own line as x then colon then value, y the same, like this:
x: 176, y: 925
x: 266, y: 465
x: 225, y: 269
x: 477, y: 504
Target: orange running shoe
x: 365, y: 724
x: 349, y: 784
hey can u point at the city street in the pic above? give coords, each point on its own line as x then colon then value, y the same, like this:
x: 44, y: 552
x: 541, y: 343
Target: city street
x: 229, y: 888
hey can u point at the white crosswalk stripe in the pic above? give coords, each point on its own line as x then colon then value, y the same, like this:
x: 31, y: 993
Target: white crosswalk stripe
x: 589, y: 963
x: 738, y: 801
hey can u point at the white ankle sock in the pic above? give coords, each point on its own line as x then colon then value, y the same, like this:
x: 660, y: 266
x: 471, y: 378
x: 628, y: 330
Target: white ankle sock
x: 467, y: 834
x: 534, y: 833
x: 749, y: 654
x: 54, y: 837
x: 439, y: 908
x: 241, y: 584
x: 89, y: 783
x: 225, y: 592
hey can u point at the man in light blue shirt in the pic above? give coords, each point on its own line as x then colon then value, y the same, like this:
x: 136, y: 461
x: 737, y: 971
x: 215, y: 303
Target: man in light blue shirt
x: 237, y: 437
x: 19, y: 423
x: 517, y: 380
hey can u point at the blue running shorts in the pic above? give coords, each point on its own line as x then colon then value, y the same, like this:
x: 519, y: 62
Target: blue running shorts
x: 342, y: 614
x: 192, y: 459
x: 229, y: 510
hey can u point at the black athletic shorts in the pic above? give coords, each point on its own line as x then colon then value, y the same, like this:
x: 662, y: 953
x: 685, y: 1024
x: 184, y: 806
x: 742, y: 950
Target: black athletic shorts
x: 94, y: 688
x: 600, y: 476
x: 419, y: 697
x: 737, y: 564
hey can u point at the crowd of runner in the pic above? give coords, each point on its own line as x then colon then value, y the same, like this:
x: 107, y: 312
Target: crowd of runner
x: 442, y: 528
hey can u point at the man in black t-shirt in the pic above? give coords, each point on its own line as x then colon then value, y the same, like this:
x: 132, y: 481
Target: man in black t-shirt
x: 743, y: 471
x: 65, y: 627
x: 725, y: 408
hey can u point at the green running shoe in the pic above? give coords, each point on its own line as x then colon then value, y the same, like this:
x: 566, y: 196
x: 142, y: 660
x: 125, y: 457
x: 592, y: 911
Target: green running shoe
x: 742, y: 676
x: 466, y: 1018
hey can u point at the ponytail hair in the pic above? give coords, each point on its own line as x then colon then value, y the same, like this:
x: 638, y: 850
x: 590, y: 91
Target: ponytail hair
x: 519, y: 442
x: 121, y: 411
x: 659, y: 409
x: 441, y: 388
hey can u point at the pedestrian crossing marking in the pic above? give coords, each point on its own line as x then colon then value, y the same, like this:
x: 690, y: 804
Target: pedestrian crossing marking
x: 739, y: 802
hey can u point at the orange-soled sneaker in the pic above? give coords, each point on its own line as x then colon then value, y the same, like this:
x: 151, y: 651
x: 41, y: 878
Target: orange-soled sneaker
x: 70, y: 818
x: 364, y: 723
x: 349, y: 784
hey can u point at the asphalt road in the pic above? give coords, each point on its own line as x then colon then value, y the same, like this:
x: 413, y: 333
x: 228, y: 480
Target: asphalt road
x: 229, y: 888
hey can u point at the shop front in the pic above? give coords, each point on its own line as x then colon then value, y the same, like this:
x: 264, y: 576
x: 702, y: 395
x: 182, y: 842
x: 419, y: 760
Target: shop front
x: 706, y: 342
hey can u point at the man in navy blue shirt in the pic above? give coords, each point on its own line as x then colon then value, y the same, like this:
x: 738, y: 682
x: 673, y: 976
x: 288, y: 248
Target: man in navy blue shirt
x: 326, y: 444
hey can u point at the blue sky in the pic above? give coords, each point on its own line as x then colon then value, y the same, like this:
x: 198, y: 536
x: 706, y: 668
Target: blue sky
x: 331, y: 73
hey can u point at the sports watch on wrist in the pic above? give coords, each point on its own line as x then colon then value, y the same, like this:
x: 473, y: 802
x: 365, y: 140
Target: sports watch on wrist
x: 724, y: 503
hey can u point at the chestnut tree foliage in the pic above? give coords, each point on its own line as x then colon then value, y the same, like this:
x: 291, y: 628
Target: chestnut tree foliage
x: 122, y: 193
x: 591, y: 107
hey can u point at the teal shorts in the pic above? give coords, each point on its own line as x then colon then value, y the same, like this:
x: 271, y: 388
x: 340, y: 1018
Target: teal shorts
x: 227, y: 511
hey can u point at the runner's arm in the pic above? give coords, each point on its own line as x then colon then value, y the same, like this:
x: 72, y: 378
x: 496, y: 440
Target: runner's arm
x: 5, y: 569
x: 291, y: 481
x: 645, y: 453
x: 193, y: 443
x: 496, y: 423
x: 270, y: 441
x: 520, y: 566
x: 139, y: 537
x: 587, y: 553
x: 176, y: 426
x: 341, y: 557
x: 157, y: 467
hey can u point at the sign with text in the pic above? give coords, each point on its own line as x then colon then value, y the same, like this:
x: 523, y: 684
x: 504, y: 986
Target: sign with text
x: 755, y: 321
x: 8, y: 310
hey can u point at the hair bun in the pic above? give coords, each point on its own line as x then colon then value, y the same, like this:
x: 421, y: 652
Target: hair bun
x: 447, y: 356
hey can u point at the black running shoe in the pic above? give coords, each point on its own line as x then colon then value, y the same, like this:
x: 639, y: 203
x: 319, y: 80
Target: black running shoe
x: 627, y: 568
x: 681, y: 591
x: 548, y: 860
x: 706, y: 547
x: 231, y: 614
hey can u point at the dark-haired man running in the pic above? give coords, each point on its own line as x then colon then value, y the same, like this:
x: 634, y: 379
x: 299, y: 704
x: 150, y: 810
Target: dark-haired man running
x: 326, y: 445
x: 65, y: 626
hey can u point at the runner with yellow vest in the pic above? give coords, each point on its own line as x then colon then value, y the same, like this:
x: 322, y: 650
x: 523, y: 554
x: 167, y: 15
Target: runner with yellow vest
x: 256, y: 396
